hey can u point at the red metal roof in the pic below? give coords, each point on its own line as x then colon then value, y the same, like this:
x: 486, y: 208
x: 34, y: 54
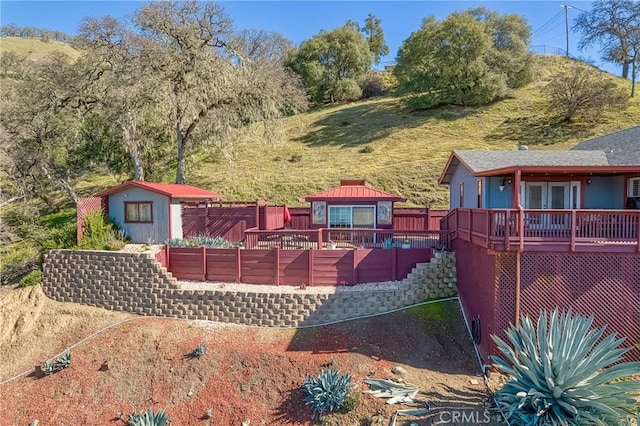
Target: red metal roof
x: 172, y: 190
x: 353, y: 190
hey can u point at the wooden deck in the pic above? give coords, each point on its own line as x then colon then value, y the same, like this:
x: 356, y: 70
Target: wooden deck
x: 603, y: 231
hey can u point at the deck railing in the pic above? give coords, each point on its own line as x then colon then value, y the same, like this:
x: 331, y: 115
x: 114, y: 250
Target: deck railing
x: 504, y: 229
x: 344, y: 238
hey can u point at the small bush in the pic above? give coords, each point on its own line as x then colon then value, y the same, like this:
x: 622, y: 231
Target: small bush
x: 367, y: 149
x: 32, y: 278
x: 100, y: 233
x: 296, y: 158
x: 350, y: 404
x: 327, y: 392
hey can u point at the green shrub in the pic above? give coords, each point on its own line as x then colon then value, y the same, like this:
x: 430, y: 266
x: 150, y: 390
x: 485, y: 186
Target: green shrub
x: 148, y: 418
x: 561, y: 374
x: 367, y: 149
x: 32, y: 278
x: 327, y: 392
x: 100, y: 233
x: 350, y: 403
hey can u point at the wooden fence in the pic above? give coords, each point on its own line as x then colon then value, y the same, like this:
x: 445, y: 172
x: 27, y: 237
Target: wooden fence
x: 293, y: 267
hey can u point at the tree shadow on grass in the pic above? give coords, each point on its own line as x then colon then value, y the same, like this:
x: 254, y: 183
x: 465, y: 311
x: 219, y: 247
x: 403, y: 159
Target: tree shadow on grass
x: 540, y: 130
x: 362, y: 124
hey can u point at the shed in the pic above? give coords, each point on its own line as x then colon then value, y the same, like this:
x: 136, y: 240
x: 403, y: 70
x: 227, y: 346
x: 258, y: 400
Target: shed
x: 151, y: 212
x: 353, y: 204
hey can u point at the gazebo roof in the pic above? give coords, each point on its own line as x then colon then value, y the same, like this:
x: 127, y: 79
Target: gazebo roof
x: 356, y: 190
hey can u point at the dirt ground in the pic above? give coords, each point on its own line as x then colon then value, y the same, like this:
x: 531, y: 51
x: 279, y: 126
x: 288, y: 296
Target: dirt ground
x: 246, y: 374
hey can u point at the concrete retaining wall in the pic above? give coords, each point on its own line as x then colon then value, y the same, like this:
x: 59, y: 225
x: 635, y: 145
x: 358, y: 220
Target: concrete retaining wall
x: 136, y: 283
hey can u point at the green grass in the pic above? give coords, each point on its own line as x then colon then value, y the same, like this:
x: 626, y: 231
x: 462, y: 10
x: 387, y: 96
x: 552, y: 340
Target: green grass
x: 410, y: 149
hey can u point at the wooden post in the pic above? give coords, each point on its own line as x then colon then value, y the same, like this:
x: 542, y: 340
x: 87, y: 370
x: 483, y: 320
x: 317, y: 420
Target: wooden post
x: 638, y: 231
x: 311, y: 265
x: 573, y: 231
x: 276, y: 271
x: 488, y: 226
x: 320, y: 243
x: 238, y: 265
x: 516, y: 320
x: 394, y: 264
x: 257, y: 215
x: 428, y: 218
x: 204, y: 263
x: 354, y: 277
x: 167, y: 257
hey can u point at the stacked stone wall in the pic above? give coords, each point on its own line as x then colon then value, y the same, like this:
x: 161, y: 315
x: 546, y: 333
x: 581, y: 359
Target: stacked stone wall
x: 136, y: 283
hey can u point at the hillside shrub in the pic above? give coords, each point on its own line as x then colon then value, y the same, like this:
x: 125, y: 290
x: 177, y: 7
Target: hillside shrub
x: 100, y: 233
x: 562, y: 373
x: 32, y: 278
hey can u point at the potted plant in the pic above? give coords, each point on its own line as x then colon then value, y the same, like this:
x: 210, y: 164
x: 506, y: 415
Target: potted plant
x: 406, y: 244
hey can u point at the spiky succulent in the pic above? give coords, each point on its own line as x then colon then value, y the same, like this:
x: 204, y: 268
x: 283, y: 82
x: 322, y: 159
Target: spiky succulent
x: 61, y: 363
x: 562, y: 373
x: 327, y: 392
x: 148, y: 418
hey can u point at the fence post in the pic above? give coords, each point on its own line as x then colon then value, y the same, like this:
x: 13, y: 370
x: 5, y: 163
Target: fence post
x: 428, y: 218
x: 354, y: 277
x: 204, y: 263
x: 394, y: 264
x: 168, y: 257
x: 311, y: 266
x: 319, y: 238
x: 276, y: 271
x: 238, y: 265
x: 574, y: 224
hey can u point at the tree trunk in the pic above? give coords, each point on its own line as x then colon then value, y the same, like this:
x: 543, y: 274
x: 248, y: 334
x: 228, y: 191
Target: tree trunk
x: 130, y: 138
x: 633, y: 76
x: 138, y: 170
x: 181, y: 153
x: 625, y: 68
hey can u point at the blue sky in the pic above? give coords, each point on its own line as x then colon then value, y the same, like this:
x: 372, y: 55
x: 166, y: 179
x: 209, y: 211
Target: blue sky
x: 300, y: 20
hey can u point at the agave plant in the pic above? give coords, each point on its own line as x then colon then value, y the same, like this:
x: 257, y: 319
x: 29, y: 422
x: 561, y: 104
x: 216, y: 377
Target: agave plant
x: 561, y: 373
x: 327, y: 392
x: 197, y: 352
x: 148, y: 418
x: 61, y: 363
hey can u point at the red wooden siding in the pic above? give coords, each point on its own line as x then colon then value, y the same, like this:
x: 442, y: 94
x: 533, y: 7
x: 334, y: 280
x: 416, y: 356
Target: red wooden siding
x: 294, y: 267
x: 406, y: 218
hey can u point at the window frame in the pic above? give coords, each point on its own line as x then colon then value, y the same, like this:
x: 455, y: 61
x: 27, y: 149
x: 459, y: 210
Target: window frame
x: 351, y: 207
x: 138, y: 204
x: 633, y: 181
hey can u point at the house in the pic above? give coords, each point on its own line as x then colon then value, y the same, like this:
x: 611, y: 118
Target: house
x: 151, y: 212
x: 601, y: 173
x: 353, y: 204
x: 537, y: 230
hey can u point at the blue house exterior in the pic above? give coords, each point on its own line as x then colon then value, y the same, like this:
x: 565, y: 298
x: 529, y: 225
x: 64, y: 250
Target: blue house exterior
x: 602, y: 173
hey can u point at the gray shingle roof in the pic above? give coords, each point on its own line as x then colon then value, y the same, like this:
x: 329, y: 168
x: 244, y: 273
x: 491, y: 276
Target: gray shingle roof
x: 482, y: 161
x: 622, y: 148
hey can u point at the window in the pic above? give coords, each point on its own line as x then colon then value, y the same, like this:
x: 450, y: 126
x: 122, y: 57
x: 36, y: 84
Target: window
x: 140, y: 212
x: 634, y: 187
x: 351, y: 217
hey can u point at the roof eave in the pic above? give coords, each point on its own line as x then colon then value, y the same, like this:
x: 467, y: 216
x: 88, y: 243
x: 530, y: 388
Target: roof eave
x: 560, y: 169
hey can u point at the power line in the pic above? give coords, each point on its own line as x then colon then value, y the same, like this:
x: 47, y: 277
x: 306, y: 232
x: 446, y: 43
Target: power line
x: 544, y: 27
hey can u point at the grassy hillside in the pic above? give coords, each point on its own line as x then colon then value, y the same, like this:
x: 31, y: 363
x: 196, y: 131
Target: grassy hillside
x: 408, y: 150
x: 35, y: 48
x: 393, y: 148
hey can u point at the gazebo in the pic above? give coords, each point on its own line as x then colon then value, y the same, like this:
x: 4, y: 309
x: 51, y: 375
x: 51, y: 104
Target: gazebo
x: 353, y: 204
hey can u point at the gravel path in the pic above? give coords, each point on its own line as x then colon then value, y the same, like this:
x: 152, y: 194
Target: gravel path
x: 270, y: 288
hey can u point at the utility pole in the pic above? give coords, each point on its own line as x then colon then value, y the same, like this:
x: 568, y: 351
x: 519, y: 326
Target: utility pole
x: 566, y: 20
